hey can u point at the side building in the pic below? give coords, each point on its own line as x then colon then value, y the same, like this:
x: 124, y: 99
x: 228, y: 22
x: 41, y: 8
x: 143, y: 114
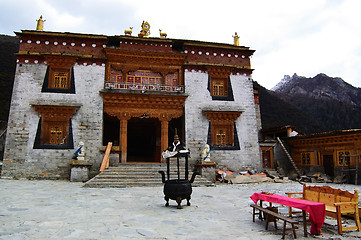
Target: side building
x: 132, y: 91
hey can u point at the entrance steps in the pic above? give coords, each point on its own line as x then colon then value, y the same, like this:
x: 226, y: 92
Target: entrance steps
x: 140, y: 175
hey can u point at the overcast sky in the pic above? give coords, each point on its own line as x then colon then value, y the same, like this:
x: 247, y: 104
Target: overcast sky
x: 306, y: 37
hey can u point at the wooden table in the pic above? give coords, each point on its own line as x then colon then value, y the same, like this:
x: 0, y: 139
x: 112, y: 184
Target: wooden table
x: 316, y: 210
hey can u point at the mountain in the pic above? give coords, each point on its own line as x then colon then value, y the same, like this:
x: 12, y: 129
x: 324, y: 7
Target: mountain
x: 320, y: 87
x: 9, y: 46
x: 330, y: 103
x: 275, y: 112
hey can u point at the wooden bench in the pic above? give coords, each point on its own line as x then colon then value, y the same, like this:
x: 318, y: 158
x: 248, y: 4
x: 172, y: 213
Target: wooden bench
x: 337, y: 201
x: 275, y: 215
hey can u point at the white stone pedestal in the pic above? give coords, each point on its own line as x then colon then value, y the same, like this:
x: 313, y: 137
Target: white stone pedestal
x: 207, y: 169
x: 79, y: 171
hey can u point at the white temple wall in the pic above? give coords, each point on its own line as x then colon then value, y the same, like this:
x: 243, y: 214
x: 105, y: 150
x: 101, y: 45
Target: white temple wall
x: 20, y: 159
x: 197, y: 124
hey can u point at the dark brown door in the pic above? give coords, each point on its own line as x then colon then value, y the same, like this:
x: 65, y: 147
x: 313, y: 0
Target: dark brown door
x: 328, y: 165
x: 266, y: 159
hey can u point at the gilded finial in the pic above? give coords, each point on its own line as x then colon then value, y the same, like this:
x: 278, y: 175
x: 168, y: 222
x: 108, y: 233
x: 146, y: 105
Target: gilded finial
x: 40, y: 23
x: 162, y: 35
x: 236, y: 39
x: 176, y: 137
x: 145, y: 29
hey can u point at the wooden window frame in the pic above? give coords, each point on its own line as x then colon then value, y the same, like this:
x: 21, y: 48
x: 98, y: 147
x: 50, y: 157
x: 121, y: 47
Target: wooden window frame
x: 227, y: 130
x: 349, y: 161
x: 223, y: 121
x: 50, y: 117
x: 218, y: 92
x: 311, y: 156
x: 59, y: 65
x: 46, y: 131
x: 220, y: 75
x: 306, y: 159
x: 53, y: 75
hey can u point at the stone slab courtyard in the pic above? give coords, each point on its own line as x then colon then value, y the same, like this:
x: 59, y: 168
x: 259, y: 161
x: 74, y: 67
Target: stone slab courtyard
x: 66, y: 210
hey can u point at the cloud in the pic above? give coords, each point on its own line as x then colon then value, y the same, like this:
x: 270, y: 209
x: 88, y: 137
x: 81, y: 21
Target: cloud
x: 304, y: 37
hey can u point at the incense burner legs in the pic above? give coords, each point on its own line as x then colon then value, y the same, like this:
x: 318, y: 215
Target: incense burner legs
x: 177, y: 190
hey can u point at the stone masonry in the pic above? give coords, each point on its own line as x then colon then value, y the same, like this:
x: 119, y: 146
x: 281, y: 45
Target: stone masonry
x: 197, y: 124
x: 20, y: 159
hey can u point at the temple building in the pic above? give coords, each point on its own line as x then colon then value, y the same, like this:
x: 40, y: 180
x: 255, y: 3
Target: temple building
x: 133, y: 91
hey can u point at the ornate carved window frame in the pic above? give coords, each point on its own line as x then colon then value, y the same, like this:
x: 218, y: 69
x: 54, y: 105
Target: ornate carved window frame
x: 309, y: 158
x: 223, y: 121
x: 220, y: 74
x: 345, y: 155
x: 50, y: 117
x: 59, y: 65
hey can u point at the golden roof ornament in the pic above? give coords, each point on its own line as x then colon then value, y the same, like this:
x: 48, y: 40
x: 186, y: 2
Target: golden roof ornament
x: 236, y: 39
x: 128, y: 32
x: 176, y: 138
x: 145, y: 29
x: 40, y: 23
x: 162, y: 35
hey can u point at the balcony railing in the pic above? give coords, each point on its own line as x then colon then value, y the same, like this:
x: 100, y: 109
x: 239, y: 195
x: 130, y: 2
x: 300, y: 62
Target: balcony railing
x: 144, y: 87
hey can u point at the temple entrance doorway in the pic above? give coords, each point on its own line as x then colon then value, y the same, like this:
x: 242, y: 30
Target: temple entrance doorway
x: 143, y: 137
x: 144, y: 140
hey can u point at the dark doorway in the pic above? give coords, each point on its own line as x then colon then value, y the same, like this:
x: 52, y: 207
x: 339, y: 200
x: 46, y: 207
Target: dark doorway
x: 266, y: 159
x: 143, y: 140
x: 111, y: 127
x: 328, y: 165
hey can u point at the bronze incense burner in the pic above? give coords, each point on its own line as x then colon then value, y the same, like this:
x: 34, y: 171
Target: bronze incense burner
x: 178, y: 189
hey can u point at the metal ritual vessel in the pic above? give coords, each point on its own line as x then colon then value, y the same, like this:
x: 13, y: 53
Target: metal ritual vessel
x: 178, y: 189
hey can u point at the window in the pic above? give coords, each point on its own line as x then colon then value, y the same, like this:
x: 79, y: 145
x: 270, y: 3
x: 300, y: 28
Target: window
x: 54, y: 128
x: 309, y: 159
x: 344, y: 159
x: 222, y: 133
x: 219, y: 84
x: 171, y: 82
x: 59, y: 76
x: 61, y: 79
x: 306, y: 159
x: 218, y: 88
x: 115, y: 76
x: 56, y: 135
x: 144, y: 77
x: 221, y: 137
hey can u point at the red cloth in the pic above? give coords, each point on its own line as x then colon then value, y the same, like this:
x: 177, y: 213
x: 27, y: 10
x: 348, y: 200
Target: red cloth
x: 316, y: 210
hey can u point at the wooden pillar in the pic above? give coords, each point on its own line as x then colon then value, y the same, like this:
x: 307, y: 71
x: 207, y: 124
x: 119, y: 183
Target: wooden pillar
x: 164, y: 118
x: 123, y: 141
x: 164, y: 137
x: 123, y: 135
x: 164, y: 75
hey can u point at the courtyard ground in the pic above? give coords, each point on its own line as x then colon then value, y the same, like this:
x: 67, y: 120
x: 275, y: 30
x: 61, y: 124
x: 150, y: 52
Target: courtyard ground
x: 66, y: 210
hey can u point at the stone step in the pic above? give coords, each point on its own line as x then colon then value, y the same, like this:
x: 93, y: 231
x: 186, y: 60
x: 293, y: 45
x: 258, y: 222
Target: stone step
x: 139, y: 184
x: 129, y: 175
x: 134, y: 176
x: 120, y: 171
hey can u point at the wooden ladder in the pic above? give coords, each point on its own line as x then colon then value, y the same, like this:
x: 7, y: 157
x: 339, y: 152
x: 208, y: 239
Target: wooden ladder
x: 289, y: 157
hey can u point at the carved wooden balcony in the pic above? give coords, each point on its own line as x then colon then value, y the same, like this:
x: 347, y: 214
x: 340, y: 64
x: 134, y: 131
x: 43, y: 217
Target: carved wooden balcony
x: 139, y: 87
